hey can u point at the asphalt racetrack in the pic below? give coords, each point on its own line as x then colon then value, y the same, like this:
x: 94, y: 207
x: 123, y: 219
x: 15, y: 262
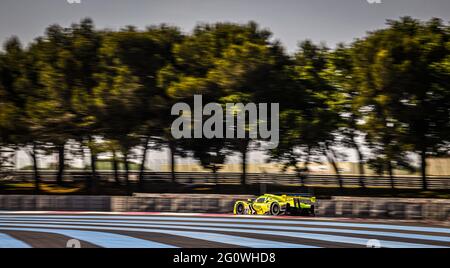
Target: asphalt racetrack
x: 171, y: 230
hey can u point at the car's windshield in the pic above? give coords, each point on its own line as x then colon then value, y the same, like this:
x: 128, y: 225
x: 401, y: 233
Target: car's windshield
x: 261, y: 200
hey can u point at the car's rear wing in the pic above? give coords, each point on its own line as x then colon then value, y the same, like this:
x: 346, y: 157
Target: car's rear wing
x: 300, y: 196
x: 306, y: 195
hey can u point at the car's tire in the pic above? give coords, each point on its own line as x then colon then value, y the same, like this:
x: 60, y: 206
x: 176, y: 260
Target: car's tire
x: 275, y: 209
x: 312, y: 211
x: 288, y: 210
x: 305, y: 212
x: 240, y: 209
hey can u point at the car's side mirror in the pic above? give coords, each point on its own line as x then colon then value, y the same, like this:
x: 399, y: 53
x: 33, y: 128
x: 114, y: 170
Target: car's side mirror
x: 249, y: 200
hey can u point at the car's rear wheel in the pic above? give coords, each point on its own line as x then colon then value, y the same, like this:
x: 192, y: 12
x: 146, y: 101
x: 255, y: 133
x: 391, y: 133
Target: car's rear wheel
x: 240, y: 209
x: 307, y: 211
x: 275, y: 209
x: 288, y: 210
x: 312, y: 211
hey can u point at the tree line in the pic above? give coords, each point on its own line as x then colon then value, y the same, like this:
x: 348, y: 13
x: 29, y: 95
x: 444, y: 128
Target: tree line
x: 112, y: 91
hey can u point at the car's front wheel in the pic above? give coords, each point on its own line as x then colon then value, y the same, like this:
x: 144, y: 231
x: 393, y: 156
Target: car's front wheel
x: 275, y: 209
x: 240, y: 209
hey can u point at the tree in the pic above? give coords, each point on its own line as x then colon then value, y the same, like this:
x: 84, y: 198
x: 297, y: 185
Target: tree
x: 112, y: 91
x: 84, y: 44
x: 144, y: 53
x: 54, y: 65
x: 117, y: 105
x: 249, y: 73
x: 211, y: 153
x: 60, y: 73
x: 205, y: 63
x: 309, y: 118
x: 402, y: 73
x: 11, y: 119
x: 22, y: 93
x: 340, y: 73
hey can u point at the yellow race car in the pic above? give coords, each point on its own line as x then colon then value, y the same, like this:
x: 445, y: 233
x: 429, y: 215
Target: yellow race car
x: 277, y: 204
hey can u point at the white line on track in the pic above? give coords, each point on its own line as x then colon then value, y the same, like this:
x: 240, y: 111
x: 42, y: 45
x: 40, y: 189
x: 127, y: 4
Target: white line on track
x: 220, y: 238
x: 134, y: 223
x: 102, y: 239
x: 199, y: 235
x: 245, y: 220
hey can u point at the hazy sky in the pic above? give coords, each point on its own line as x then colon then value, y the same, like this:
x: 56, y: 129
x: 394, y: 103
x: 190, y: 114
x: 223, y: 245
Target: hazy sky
x: 331, y: 21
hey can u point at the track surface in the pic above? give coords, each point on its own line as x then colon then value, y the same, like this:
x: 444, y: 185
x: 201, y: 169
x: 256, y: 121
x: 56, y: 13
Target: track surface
x: 164, y: 230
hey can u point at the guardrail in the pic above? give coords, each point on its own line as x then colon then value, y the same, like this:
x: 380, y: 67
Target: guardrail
x: 349, y: 207
x: 204, y: 178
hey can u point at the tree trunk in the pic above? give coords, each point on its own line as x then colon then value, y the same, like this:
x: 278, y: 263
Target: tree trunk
x: 144, y: 159
x: 423, y: 168
x: 360, y: 164
x: 93, y: 182
x: 61, y: 163
x: 83, y: 156
x: 172, y: 161
x: 331, y: 156
x: 300, y: 175
x: 36, y: 175
x: 305, y: 172
x: 308, y: 157
x: 244, y: 166
x: 127, y: 170
x: 115, y: 165
x: 391, y: 174
x: 216, y: 176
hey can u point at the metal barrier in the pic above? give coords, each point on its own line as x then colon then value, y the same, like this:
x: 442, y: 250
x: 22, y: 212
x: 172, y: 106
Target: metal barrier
x: 205, y: 178
x: 351, y: 207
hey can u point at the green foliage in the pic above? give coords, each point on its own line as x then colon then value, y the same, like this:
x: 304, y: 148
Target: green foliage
x: 389, y: 89
x: 310, y: 117
x: 403, y: 84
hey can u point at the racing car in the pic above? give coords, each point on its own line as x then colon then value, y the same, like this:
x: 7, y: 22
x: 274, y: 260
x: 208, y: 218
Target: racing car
x: 277, y: 204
